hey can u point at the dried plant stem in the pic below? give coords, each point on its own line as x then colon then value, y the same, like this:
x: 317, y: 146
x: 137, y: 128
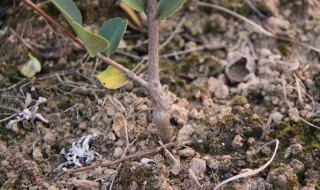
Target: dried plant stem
x: 291, y: 108
x: 133, y: 156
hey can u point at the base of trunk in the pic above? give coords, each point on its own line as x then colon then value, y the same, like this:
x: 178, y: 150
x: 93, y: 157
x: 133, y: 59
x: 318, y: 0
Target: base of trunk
x: 164, y: 129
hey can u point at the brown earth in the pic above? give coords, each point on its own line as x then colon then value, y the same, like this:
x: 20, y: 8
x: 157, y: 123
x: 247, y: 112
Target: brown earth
x: 223, y: 110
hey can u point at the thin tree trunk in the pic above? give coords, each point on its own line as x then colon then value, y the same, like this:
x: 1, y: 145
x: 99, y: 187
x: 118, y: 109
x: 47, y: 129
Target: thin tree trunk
x: 161, y: 104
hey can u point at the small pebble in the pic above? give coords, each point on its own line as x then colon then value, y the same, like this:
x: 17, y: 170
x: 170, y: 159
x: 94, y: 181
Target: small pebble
x: 118, y: 152
x: 111, y: 136
x: 5, y: 163
x: 312, y: 178
x: 283, y: 177
x: 296, y: 149
x: 187, y: 152
x: 213, y: 164
x: 185, y: 133
x: 237, y: 142
x: 297, y: 165
x: 49, y: 138
x: 265, y: 52
x: 3, y: 148
x: 276, y: 116
x: 82, y: 125
x: 36, y: 154
x: 198, y: 166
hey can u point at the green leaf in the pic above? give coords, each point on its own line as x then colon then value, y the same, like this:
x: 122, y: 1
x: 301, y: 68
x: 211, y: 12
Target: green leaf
x: 166, y: 8
x: 138, y: 5
x: 112, y: 78
x: 113, y: 31
x: 32, y: 67
x: 92, y: 42
x: 69, y: 10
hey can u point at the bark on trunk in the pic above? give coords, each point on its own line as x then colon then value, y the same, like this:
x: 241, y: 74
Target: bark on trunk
x: 161, y: 105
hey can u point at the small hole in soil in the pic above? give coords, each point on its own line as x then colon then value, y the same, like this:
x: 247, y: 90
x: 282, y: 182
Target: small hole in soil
x: 173, y: 122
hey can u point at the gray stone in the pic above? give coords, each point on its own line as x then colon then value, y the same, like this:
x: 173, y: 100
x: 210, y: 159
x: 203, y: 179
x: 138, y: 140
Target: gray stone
x: 198, y: 166
x: 283, y: 178
x: 117, y: 152
x: 187, y: 152
x: 276, y: 116
x: 297, y: 166
x: 185, y: 133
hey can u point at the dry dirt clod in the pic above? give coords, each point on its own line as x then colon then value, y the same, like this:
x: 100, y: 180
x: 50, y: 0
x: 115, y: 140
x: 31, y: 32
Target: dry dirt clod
x: 85, y: 184
x: 218, y: 88
x: 294, y: 149
x: 312, y: 178
x: 187, y: 152
x: 185, y: 133
x: 276, y: 116
x: 117, y: 152
x: 3, y: 148
x: 283, y: 178
x: 118, y: 124
x: 179, y: 114
x: 237, y: 142
x: 49, y: 138
x: 36, y: 153
x: 278, y: 24
x: 297, y: 166
x: 198, y: 166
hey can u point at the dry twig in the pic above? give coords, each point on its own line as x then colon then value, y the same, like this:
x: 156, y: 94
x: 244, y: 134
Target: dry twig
x: 120, y: 160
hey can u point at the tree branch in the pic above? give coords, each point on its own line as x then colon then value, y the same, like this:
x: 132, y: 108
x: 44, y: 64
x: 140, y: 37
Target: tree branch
x: 131, y: 75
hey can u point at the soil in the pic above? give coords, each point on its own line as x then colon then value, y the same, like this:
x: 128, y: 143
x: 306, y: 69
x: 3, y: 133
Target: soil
x: 228, y: 99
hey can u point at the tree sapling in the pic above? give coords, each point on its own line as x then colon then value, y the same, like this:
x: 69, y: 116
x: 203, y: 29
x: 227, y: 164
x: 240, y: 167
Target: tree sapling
x: 107, y: 41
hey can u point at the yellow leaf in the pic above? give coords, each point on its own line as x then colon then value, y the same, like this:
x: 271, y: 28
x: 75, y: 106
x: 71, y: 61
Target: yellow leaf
x: 32, y: 67
x: 112, y: 78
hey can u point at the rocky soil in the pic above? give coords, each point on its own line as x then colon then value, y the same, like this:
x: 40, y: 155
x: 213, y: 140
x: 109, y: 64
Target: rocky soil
x: 233, y: 90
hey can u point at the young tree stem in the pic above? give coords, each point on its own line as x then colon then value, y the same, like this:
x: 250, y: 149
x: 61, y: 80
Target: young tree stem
x: 158, y: 96
x: 153, y: 45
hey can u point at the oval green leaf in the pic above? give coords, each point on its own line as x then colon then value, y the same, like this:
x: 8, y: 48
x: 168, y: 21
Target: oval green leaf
x: 112, y: 78
x: 92, y: 42
x: 166, y: 8
x: 113, y: 31
x: 32, y: 67
x: 138, y: 5
x: 69, y: 10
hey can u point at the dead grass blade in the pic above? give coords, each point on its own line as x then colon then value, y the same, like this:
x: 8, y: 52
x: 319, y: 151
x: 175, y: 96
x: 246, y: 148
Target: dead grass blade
x: 250, y: 173
x: 255, y: 25
x: 291, y: 108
